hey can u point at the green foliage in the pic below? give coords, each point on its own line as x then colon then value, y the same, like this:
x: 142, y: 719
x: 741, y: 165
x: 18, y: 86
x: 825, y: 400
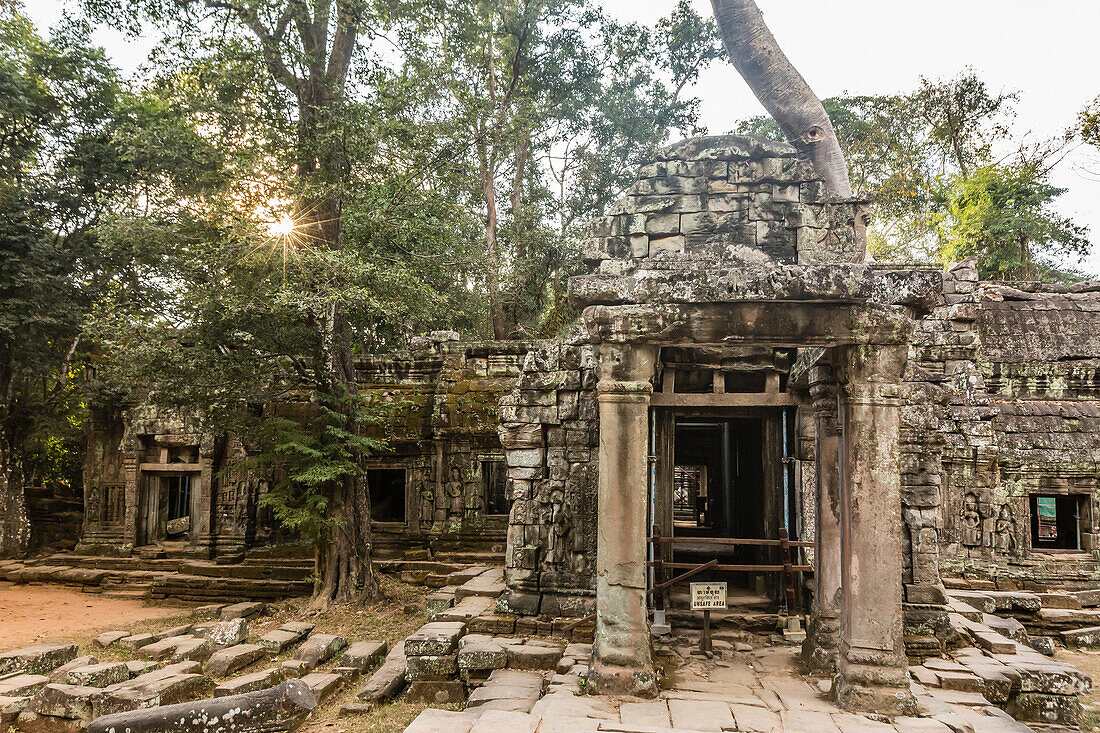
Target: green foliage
x: 927, y: 160
x: 1002, y: 215
x: 305, y: 456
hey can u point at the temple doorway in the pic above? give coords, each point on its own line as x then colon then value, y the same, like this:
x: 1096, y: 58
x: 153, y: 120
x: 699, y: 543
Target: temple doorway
x: 722, y: 474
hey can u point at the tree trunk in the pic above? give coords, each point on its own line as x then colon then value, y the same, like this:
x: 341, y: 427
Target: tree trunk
x: 782, y: 90
x: 488, y: 192
x: 15, y: 528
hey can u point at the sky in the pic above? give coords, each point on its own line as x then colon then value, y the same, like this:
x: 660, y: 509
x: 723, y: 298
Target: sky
x: 1045, y: 49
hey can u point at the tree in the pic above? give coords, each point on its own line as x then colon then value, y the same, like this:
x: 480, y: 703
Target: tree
x: 64, y: 167
x: 553, y: 105
x: 782, y: 90
x: 1002, y: 215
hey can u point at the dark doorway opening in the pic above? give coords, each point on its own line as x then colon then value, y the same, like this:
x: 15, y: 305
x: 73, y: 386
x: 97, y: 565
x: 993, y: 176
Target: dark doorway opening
x: 179, y: 496
x: 387, y: 494
x: 1056, y: 521
x: 719, y: 478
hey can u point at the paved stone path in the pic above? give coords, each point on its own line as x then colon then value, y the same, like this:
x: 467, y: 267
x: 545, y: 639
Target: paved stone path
x: 759, y: 692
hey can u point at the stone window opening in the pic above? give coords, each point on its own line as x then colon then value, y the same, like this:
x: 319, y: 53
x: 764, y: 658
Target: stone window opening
x: 1056, y: 521
x: 387, y: 494
x: 495, y: 486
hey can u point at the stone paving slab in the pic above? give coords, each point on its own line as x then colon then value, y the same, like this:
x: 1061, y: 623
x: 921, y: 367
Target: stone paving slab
x: 227, y: 661
x: 435, y: 638
x: 37, y: 658
x: 653, y: 714
x: 701, y: 714
x: 107, y: 638
x: 250, y: 682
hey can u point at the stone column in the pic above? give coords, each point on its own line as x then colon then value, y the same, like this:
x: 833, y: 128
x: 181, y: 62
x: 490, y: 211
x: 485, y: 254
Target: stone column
x: 820, y: 648
x: 872, y: 664
x: 622, y: 655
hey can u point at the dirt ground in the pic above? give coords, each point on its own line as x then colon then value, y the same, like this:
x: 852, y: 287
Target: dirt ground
x: 1089, y: 663
x: 35, y: 613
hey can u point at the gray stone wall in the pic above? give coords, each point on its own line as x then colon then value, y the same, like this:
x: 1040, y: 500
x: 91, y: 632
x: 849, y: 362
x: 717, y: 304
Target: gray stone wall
x: 1015, y: 371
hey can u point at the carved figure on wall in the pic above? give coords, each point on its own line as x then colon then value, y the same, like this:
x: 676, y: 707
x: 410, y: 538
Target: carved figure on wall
x: 91, y: 504
x: 1004, y: 531
x: 971, y: 531
x: 455, y: 493
x: 427, y: 503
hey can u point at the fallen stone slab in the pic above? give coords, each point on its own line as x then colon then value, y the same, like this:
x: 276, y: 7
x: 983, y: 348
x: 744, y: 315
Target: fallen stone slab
x: 1087, y: 598
x: 320, y: 648
x: 979, y: 601
x: 38, y: 658
x: 73, y: 702
x: 136, y: 641
x: 140, y: 666
x: 174, y: 631
x: 1015, y: 601
x: 178, y: 648
x: 22, y: 685
x: 436, y: 638
x: 1067, y: 618
x: 295, y: 667
x: 241, y: 610
x: 167, y: 690
x: 994, y: 642
x: 1052, y: 678
x: 442, y: 721
x: 107, y: 638
x: 11, y: 707
x: 388, y: 680
x: 362, y: 655
x: 436, y: 692
x: 209, y: 611
x: 279, y: 640
x: 276, y: 709
x: 349, y: 674
x: 433, y: 667
x: 323, y: 684
x: 227, y: 633
x: 61, y: 673
x: 98, y: 675
x: 250, y: 682
x: 226, y: 661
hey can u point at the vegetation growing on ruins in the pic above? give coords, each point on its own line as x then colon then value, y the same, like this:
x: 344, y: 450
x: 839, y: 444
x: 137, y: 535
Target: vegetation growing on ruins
x: 950, y: 176
x: 285, y: 186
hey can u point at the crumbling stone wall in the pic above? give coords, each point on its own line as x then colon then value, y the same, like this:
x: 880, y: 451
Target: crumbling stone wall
x: 1017, y: 370
x: 440, y: 401
x: 731, y: 197
x: 549, y: 428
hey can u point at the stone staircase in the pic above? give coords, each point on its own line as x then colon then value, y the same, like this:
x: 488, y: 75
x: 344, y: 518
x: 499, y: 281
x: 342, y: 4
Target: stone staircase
x: 261, y: 575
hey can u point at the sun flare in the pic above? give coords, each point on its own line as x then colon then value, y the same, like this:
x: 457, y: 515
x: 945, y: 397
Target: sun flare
x: 283, y: 227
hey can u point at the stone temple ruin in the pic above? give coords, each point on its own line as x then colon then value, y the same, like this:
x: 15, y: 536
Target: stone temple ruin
x: 734, y: 374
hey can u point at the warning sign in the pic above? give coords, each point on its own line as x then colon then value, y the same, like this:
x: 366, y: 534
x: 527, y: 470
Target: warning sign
x: 708, y: 596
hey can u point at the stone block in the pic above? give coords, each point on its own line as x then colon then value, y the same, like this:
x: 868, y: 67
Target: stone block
x: 531, y: 657
x: 227, y: 633
x: 323, y: 684
x: 432, y: 667
x: 479, y: 652
x: 171, y: 632
x: 208, y: 612
x: 1034, y: 707
x: 295, y: 667
x: 37, y: 659
x: 436, y: 692
x: 362, y: 655
x: 226, y: 661
x: 61, y: 674
x: 250, y: 682
x: 22, y: 685
x: 107, y: 638
x: 241, y: 610
x: 435, y: 639
x: 98, y: 675
x: 136, y: 641
x: 73, y: 702
x: 387, y: 679
x: 320, y: 648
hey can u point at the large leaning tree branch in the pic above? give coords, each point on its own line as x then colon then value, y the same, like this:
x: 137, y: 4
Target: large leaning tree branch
x: 782, y: 90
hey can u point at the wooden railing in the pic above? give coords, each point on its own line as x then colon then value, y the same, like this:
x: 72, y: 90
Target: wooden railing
x: 787, y: 566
